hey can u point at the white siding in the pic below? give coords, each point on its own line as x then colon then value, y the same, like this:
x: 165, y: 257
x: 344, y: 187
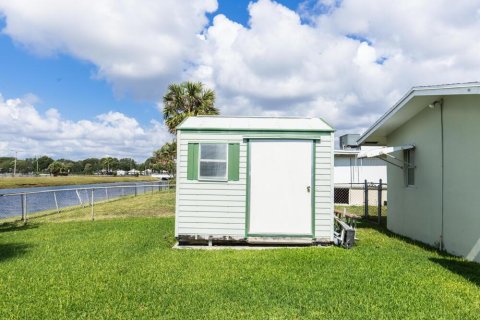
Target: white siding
x: 208, y: 208
x: 219, y: 208
x: 324, y: 188
x: 349, y: 169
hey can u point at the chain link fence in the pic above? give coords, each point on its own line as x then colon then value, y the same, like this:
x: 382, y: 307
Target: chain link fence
x: 367, y: 199
x: 89, y: 203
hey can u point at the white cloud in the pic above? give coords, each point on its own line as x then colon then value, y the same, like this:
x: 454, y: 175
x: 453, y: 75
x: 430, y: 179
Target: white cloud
x: 346, y: 61
x: 348, y: 64
x: 23, y: 128
x: 138, y: 46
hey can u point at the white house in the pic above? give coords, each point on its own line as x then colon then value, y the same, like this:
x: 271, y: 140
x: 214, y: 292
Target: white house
x: 350, y: 172
x: 432, y: 138
x: 254, y: 179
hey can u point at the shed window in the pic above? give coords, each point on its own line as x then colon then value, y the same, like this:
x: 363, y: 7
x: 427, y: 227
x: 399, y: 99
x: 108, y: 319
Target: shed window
x: 213, y: 161
x: 409, y: 167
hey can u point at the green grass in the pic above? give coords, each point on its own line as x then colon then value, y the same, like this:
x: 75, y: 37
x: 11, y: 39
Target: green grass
x: 27, y: 182
x: 372, y: 212
x: 126, y: 268
x: 156, y: 204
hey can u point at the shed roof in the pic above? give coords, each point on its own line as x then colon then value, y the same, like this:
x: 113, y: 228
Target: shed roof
x: 221, y: 123
x: 409, y: 105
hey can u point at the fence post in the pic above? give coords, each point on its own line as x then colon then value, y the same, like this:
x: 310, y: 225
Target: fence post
x: 380, y: 202
x: 92, y: 211
x: 56, y: 202
x: 366, y: 199
x: 79, y: 198
x: 135, y: 190
x: 24, y: 207
x: 106, y: 193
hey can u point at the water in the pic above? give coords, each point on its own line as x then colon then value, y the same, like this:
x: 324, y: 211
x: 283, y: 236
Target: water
x: 11, y: 206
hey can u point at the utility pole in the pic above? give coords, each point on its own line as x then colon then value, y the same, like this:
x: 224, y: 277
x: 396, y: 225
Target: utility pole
x: 15, y: 162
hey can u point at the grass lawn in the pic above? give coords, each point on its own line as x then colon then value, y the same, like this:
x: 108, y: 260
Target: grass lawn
x: 126, y: 268
x: 27, y: 182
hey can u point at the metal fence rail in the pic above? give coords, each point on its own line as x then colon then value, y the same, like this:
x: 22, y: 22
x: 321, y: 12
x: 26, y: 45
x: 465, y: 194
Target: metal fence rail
x: 22, y: 204
x: 367, y: 199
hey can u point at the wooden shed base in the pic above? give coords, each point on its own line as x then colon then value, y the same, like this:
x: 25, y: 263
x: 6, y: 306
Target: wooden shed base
x: 185, y: 240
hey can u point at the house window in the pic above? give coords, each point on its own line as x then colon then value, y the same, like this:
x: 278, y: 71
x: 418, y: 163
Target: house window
x: 213, y: 161
x: 409, y: 171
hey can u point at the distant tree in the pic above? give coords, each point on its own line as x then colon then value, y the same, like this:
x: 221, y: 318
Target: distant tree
x: 95, y: 162
x: 126, y: 164
x: 187, y: 99
x: 107, y: 163
x: 57, y: 168
x: 164, y: 157
x: 44, y: 162
x: 88, y: 169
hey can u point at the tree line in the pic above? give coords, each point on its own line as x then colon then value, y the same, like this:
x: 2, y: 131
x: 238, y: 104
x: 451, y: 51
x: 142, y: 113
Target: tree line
x: 45, y: 164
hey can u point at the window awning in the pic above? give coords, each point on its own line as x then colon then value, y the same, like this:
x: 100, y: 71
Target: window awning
x: 383, y: 151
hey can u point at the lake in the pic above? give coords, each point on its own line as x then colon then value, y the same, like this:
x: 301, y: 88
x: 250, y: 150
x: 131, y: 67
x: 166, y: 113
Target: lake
x: 42, y: 199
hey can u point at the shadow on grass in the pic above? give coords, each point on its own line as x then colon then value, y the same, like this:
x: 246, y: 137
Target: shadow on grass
x: 16, y: 226
x: 383, y: 229
x: 469, y: 270
x: 12, y: 250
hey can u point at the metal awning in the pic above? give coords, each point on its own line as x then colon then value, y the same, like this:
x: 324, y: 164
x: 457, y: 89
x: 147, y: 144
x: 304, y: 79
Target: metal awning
x: 383, y: 153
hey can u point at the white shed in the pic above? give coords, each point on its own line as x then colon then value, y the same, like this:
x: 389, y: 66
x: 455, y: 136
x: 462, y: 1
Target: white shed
x: 254, y: 179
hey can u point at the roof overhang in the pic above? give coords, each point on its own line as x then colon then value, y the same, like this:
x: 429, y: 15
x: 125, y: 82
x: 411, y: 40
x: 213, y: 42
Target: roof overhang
x: 409, y: 105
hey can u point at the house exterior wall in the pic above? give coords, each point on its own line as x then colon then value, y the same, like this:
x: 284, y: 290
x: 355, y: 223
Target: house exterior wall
x: 349, y: 169
x: 218, y: 209
x: 415, y: 211
x: 461, y: 173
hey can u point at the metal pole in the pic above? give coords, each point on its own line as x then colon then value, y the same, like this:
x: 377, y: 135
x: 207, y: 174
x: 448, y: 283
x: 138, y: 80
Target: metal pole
x: 366, y: 200
x: 56, y: 203
x: 106, y: 193
x: 380, y: 202
x: 136, y: 191
x: 92, y: 211
x: 79, y: 198
x: 15, y: 165
x: 24, y: 207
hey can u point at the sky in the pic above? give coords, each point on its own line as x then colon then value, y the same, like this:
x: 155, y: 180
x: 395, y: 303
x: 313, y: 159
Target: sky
x: 86, y: 78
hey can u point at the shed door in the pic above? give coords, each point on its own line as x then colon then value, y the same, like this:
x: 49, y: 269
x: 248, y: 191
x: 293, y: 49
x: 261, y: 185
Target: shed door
x: 280, y: 187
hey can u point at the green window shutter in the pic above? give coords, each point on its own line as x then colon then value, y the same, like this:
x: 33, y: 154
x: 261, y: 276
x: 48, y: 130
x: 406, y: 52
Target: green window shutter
x: 192, y: 162
x: 233, y: 161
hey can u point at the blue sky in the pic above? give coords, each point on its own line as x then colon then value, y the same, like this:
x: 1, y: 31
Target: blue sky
x: 69, y: 84
x: 85, y: 78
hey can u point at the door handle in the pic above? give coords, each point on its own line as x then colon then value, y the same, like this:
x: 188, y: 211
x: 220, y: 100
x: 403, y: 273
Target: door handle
x: 308, y: 189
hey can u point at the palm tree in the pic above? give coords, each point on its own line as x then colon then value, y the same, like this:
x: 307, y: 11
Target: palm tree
x: 165, y: 157
x: 107, y: 162
x: 187, y: 99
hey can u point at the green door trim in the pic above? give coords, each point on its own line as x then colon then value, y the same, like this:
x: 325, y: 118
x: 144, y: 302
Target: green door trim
x: 247, y: 200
